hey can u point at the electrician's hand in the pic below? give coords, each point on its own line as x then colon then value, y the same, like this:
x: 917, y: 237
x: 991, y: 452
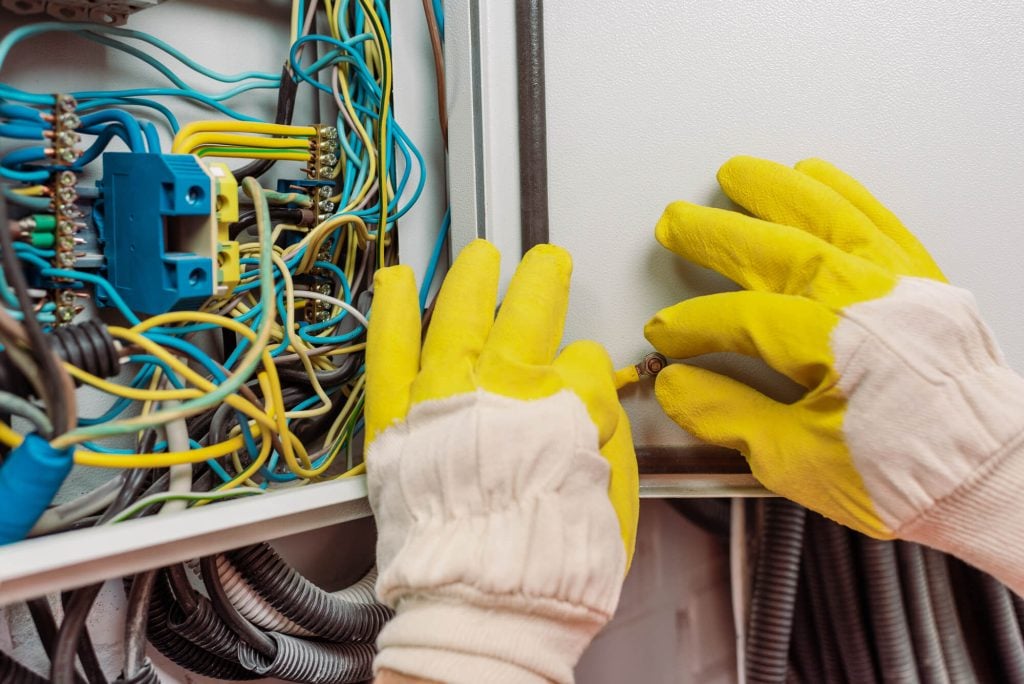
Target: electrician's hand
x: 501, y: 473
x: 911, y: 422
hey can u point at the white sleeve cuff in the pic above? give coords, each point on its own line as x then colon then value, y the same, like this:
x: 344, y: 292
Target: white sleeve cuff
x: 462, y: 643
x: 982, y: 521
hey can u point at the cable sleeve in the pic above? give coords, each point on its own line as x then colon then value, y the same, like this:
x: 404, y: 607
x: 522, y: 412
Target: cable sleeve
x: 887, y: 613
x: 951, y: 635
x: 311, y: 662
x: 816, y: 590
x: 803, y: 649
x: 181, y: 651
x: 309, y: 606
x: 1008, y: 643
x: 931, y: 666
x: 773, y: 602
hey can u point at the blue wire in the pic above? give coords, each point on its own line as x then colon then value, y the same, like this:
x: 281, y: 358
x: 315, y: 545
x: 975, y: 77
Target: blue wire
x: 22, y: 132
x: 171, y: 376
x: 19, y: 34
x: 141, y: 379
x: 439, y: 14
x: 11, y: 93
x: 172, y: 121
x: 152, y: 138
x: 25, y: 250
x: 435, y: 256
x: 21, y: 113
x: 130, y: 123
x: 102, y: 283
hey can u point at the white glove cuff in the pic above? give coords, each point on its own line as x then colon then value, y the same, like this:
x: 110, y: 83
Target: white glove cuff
x: 981, y: 521
x: 459, y: 642
x: 497, y: 540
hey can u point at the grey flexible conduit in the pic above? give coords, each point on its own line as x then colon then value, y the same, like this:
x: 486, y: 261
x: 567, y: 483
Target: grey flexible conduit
x: 804, y: 645
x: 816, y: 590
x: 322, y: 613
x: 1008, y: 643
x: 931, y: 667
x: 887, y: 612
x: 773, y: 603
x: 1018, y: 607
x: 844, y: 602
x: 954, y: 647
x: 311, y: 662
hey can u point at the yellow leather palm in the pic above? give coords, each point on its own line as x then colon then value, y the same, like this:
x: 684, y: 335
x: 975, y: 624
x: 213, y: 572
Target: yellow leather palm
x: 817, y: 243
x: 514, y: 354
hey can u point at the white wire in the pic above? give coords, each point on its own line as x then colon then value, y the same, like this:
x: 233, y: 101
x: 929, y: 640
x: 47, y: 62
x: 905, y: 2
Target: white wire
x: 334, y: 301
x: 181, y: 474
x: 739, y: 575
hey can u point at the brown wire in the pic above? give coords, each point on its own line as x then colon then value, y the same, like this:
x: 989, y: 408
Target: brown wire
x: 438, y: 50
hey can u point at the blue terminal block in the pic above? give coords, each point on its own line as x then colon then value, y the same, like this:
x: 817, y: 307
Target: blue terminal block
x: 159, y: 230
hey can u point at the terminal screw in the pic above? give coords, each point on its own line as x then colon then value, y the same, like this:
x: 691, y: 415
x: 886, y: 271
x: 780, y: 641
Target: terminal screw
x: 652, y: 364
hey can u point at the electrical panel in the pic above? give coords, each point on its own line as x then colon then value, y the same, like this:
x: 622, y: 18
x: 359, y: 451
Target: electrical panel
x: 193, y: 230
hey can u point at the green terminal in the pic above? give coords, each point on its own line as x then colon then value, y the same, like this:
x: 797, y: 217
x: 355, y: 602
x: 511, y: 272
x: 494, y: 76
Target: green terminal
x: 46, y: 223
x: 42, y: 240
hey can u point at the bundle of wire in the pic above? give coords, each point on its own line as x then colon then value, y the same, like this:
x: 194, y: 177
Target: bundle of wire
x: 250, y: 392
x: 830, y: 605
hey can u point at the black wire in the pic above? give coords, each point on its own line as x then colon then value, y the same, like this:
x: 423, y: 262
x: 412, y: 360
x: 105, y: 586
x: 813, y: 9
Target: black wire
x: 285, y: 109
x: 247, y: 219
x: 135, y: 622
x: 46, y: 625
x: 87, y: 654
x: 57, y: 402
x: 182, y: 589
x: 62, y: 665
x: 227, y: 612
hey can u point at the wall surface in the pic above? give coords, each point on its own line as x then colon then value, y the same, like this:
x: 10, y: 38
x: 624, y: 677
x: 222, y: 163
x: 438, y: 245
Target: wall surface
x: 921, y: 101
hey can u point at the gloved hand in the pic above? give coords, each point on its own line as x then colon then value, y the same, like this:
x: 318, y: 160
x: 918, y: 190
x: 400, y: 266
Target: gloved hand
x: 502, y: 477
x: 912, y: 422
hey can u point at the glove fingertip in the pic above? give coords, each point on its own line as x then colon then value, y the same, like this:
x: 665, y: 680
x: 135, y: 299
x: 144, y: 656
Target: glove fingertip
x: 394, y: 276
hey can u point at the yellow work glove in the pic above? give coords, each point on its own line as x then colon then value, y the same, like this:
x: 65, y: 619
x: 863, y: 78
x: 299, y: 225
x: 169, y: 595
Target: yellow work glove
x: 501, y: 473
x: 911, y: 422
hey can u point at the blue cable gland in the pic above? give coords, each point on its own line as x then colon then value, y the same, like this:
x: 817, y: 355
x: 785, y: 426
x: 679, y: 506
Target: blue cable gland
x: 29, y: 479
x: 159, y: 230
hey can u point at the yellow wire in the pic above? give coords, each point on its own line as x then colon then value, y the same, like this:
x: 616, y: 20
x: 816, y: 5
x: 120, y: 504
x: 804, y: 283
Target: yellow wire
x: 244, y: 476
x: 296, y: 20
x: 339, y: 422
x: 268, y: 380
x: 231, y: 154
x: 356, y: 470
x: 134, y: 393
x: 345, y: 350
x: 96, y: 460
x: 241, y: 127
x: 364, y: 137
x: 186, y: 145
x: 31, y: 191
x: 236, y: 401
x: 298, y: 346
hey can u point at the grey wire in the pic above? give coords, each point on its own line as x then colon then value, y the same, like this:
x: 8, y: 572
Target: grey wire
x: 12, y: 403
x: 70, y: 512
